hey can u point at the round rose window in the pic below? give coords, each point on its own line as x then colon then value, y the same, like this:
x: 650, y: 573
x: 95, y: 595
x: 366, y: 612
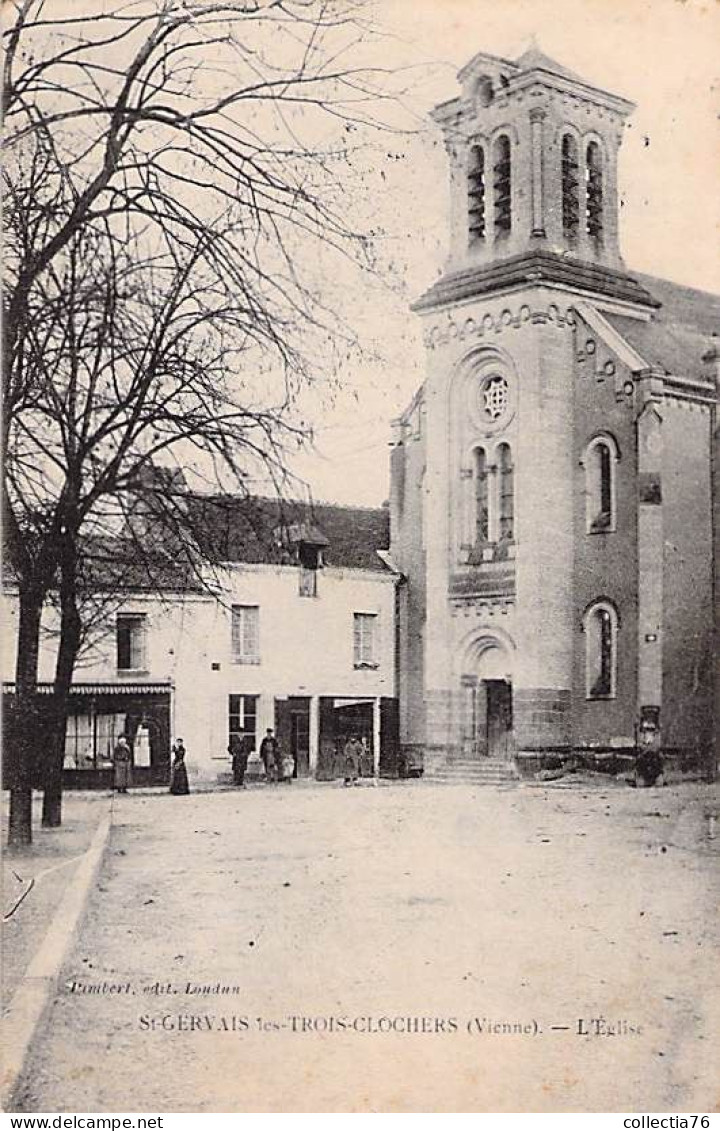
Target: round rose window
x: 495, y: 397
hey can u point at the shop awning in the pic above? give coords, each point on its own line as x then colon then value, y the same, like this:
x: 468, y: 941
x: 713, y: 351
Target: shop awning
x: 161, y: 688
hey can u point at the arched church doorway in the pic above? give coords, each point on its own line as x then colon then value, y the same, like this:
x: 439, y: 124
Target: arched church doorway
x: 487, y: 699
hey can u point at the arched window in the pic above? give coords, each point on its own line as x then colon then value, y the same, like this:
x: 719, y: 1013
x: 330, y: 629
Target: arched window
x: 482, y: 525
x: 593, y: 191
x: 570, y: 187
x: 502, y: 185
x: 600, y: 461
x: 600, y: 626
x: 506, y: 493
x: 476, y: 195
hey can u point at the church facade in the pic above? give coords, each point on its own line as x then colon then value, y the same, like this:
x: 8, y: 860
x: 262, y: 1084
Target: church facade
x: 552, y: 482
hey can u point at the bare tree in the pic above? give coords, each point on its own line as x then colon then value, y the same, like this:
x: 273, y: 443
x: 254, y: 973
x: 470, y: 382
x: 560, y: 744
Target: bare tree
x: 168, y: 203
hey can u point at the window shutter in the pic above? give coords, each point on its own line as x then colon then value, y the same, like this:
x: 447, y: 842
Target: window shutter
x: 370, y: 640
x: 251, y: 633
x: 237, y: 626
x: 140, y: 641
x: 357, y: 639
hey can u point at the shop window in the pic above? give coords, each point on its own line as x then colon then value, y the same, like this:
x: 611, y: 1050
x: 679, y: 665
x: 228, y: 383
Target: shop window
x: 131, y: 641
x: 600, y: 462
x: 246, y: 634
x: 502, y: 184
x: 476, y: 195
x: 365, y: 640
x: 506, y: 492
x: 90, y: 739
x: 242, y: 717
x: 600, y: 627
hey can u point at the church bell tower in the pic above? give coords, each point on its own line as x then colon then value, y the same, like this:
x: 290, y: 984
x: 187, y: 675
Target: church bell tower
x: 533, y: 163
x: 533, y: 152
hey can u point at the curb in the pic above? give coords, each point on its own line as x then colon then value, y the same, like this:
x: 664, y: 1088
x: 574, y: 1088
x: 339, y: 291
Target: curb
x: 33, y: 996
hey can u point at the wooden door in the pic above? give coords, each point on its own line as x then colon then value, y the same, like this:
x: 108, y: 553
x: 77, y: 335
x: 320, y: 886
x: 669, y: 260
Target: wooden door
x: 499, y: 718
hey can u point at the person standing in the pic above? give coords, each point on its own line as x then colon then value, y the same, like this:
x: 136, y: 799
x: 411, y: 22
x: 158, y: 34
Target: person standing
x: 353, y: 754
x: 286, y: 765
x: 122, y: 760
x: 239, y: 750
x: 269, y: 753
x: 178, y: 773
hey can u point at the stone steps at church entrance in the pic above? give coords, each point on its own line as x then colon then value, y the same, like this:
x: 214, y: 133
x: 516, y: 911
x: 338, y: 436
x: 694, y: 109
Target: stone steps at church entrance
x: 488, y: 771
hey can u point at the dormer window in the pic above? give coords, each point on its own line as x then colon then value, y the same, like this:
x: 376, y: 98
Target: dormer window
x: 309, y: 560
x: 309, y: 555
x: 307, y: 542
x: 594, y: 191
x: 570, y: 187
x: 502, y: 186
x: 476, y: 195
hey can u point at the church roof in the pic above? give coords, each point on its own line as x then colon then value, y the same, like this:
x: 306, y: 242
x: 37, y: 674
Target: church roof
x: 684, y: 305
x: 536, y: 60
x: 680, y: 332
x: 509, y: 72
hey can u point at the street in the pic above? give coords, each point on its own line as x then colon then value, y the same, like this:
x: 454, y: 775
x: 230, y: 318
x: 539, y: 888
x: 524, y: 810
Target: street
x: 410, y: 947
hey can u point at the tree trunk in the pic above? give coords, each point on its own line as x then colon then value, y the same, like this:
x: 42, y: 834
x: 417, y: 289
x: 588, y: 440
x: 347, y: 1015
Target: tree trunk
x: 20, y: 821
x: 70, y: 631
x: 25, y: 729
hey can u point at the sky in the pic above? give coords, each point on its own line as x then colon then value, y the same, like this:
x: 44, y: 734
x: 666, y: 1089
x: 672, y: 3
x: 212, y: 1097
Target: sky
x: 660, y: 54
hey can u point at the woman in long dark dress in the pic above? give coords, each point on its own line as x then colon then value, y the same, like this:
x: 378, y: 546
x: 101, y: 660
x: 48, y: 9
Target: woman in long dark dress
x: 122, y: 761
x: 178, y: 772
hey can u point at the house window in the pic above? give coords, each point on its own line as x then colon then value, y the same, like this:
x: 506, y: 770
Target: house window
x: 570, y: 187
x: 246, y: 634
x: 242, y: 717
x: 364, y: 640
x: 482, y: 515
x: 600, y: 626
x: 502, y: 184
x: 600, y: 460
x: 476, y: 195
x: 507, y: 493
x: 131, y: 635
x: 594, y: 190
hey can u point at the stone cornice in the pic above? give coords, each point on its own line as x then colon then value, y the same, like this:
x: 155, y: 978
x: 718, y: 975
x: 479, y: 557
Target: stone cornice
x: 535, y: 267
x: 581, y: 91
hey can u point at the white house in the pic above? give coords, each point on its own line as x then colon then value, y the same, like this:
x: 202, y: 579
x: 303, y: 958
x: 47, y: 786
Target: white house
x: 294, y: 629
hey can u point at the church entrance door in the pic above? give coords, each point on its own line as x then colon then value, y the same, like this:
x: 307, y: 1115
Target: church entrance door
x: 499, y: 718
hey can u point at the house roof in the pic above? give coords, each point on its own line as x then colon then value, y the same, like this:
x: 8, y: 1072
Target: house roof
x: 232, y: 528
x: 257, y: 530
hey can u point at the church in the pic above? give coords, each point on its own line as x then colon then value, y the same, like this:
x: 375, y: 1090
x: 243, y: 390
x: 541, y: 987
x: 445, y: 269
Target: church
x: 554, y: 511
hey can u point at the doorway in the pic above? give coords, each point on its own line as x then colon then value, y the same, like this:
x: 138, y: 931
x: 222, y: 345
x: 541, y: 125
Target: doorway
x: 292, y: 728
x: 499, y: 718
